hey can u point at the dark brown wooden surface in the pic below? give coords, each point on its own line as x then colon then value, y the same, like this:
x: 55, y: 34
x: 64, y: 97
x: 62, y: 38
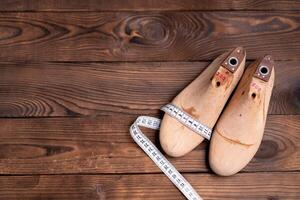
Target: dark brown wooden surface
x: 146, y: 36
x: 75, y: 74
x: 102, y: 144
x: 259, y: 186
x: 75, y: 89
x: 145, y: 5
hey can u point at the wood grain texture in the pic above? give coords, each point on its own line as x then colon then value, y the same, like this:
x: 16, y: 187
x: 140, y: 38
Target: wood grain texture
x: 258, y: 186
x: 76, y: 89
x: 145, y: 5
x: 103, y: 145
x: 75, y: 74
x: 148, y: 36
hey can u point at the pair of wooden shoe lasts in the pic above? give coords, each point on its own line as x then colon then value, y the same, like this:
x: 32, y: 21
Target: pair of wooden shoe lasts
x: 238, y: 129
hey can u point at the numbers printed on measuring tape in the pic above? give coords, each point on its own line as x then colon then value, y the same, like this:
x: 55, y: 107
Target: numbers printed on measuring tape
x: 187, y: 120
x: 150, y: 149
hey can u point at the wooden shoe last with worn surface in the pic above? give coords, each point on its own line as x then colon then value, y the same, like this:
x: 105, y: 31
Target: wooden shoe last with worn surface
x: 204, y: 100
x: 239, y: 131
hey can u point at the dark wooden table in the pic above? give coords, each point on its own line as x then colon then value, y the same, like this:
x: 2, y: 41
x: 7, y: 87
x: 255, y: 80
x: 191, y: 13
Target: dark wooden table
x: 75, y: 74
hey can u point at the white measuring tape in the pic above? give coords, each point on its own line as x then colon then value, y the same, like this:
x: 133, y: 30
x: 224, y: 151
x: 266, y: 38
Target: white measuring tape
x: 187, y: 120
x: 157, y: 157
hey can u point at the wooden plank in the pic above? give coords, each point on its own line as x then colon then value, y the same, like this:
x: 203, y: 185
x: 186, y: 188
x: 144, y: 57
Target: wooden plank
x: 145, y: 5
x: 150, y: 36
x: 103, y: 145
x: 72, y: 89
x: 256, y: 186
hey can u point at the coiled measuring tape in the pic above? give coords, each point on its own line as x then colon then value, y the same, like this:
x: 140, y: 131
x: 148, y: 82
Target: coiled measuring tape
x: 157, y: 157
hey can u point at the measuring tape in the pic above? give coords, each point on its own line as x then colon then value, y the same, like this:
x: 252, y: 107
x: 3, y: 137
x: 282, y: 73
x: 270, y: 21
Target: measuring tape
x: 157, y: 157
x: 187, y: 120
